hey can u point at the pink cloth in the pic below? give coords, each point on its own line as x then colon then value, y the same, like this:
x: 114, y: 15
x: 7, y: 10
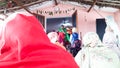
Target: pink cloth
x: 61, y: 37
x: 26, y: 45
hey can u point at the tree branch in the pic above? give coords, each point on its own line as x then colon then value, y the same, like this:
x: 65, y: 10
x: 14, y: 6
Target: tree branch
x: 92, y: 5
x: 20, y: 4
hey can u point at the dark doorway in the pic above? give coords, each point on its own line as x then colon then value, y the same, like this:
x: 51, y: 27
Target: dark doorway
x: 100, y: 27
x: 55, y: 23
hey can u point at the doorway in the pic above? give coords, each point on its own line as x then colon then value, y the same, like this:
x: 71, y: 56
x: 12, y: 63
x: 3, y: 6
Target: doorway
x: 100, y: 27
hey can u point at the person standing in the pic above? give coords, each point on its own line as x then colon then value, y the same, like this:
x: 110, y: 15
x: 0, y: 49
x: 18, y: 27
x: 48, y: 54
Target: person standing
x: 66, y: 36
x: 110, y: 40
x: 75, y: 42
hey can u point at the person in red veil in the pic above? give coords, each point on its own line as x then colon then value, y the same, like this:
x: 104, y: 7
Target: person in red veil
x: 24, y: 44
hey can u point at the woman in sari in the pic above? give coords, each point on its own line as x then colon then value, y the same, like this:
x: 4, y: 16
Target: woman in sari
x: 62, y: 30
x: 24, y: 44
x: 110, y: 40
x: 95, y: 55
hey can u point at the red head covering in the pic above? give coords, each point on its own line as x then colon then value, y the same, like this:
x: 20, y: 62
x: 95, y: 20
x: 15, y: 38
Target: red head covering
x: 26, y: 45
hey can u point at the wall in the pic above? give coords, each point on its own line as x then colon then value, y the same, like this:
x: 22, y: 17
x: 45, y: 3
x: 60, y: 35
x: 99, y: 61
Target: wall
x: 86, y: 21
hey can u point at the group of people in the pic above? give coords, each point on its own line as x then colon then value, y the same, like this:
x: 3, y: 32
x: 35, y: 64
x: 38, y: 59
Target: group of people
x: 95, y: 54
x: 24, y: 44
x: 67, y: 38
x: 99, y: 54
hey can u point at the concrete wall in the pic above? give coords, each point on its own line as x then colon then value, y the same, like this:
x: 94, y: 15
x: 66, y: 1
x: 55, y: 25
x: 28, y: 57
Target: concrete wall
x: 86, y: 21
